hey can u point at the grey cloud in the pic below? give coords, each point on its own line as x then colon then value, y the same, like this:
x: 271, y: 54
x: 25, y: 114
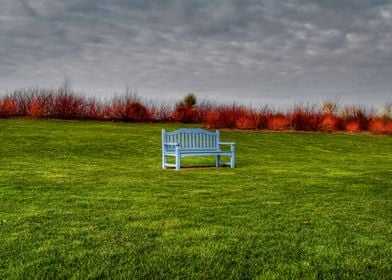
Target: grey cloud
x: 262, y: 49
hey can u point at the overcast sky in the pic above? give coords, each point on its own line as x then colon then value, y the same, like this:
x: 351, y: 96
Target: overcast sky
x: 247, y: 51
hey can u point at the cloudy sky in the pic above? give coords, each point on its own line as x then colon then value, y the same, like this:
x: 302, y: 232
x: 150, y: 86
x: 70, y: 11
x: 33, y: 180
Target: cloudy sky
x: 247, y: 51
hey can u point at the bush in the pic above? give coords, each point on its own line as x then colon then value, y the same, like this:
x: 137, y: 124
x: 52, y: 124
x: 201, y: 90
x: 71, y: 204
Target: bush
x: 63, y: 103
x: 222, y: 117
x: 36, y: 109
x: 387, y: 111
x: 135, y: 111
x: 186, y: 111
x: 185, y: 114
x: 128, y: 108
x: 246, y: 121
x: 329, y: 123
x: 278, y: 122
x: 250, y: 119
x: 353, y: 126
x: 68, y: 106
x: 353, y: 116
x: 380, y: 126
x: 8, y: 108
x: 305, y: 119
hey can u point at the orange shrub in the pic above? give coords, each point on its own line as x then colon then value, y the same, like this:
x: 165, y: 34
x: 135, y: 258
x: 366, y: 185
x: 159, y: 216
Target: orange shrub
x: 353, y: 126
x: 388, y: 127
x: 136, y: 112
x: 36, y: 109
x: 186, y: 111
x: 278, y: 122
x: 378, y: 125
x: 305, y: 119
x: 8, y: 107
x: 94, y: 110
x: 65, y: 104
x: 161, y: 113
x: 112, y: 112
x: 352, y: 115
x: 128, y: 109
x: 246, y: 119
x: 68, y: 106
x: 222, y: 117
x: 329, y: 122
x: 214, y: 120
x: 185, y: 114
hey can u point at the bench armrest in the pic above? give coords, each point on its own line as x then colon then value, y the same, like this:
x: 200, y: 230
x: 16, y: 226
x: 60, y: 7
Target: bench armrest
x: 171, y: 144
x: 226, y: 143
x: 232, y: 145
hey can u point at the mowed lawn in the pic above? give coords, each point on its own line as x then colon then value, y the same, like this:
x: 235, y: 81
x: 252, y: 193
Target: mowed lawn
x: 90, y: 200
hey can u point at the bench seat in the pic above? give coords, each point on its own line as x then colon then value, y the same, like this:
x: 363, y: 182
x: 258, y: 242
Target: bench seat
x: 185, y: 153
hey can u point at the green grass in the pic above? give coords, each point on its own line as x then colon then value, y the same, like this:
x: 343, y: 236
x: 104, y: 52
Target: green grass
x: 89, y: 200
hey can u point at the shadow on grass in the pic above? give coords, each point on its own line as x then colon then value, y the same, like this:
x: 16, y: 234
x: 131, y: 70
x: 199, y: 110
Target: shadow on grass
x: 201, y: 167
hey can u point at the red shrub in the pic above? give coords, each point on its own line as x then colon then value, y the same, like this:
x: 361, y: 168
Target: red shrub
x: 65, y: 104
x: 213, y: 120
x: 353, y: 126
x: 163, y: 113
x: 47, y: 101
x: 94, y: 110
x: 222, y: 117
x: 185, y: 114
x: 68, y: 106
x: 111, y: 112
x: 352, y: 115
x: 249, y: 119
x: 246, y: 119
x: 8, y: 107
x: 305, y: 118
x: 329, y: 122
x: 203, y: 109
x: 36, y: 109
x: 127, y: 109
x: 388, y: 126
x: 135, y: 111
x: 186, y: 110
x: 278, y: 122
x: 21, y: 99
x: 378, y: 125
x: 262, y: 121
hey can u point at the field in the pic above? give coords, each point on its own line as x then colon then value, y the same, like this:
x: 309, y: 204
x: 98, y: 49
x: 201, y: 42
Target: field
x: 90, y: 200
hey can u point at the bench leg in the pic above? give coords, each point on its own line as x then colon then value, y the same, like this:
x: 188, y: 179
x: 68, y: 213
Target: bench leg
x: 178, y: 160
x: 217, y: 160
x: 232, y: 161
x: 163, y: 161
x: 232, y: 157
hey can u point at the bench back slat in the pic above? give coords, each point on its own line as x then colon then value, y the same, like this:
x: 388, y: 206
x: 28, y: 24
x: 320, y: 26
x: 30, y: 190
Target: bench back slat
x: 192, y: 139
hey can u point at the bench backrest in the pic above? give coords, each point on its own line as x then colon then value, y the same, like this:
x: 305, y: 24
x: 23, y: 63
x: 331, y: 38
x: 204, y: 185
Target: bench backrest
x: 191, y: 138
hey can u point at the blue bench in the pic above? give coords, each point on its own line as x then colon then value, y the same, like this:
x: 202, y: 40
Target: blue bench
x: 194, y: 142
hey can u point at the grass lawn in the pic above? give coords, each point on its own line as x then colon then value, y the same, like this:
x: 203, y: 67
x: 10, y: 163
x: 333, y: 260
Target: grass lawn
x: 90, y: 200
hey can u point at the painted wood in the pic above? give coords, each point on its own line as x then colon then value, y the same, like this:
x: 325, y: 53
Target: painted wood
x: 194, y: 142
